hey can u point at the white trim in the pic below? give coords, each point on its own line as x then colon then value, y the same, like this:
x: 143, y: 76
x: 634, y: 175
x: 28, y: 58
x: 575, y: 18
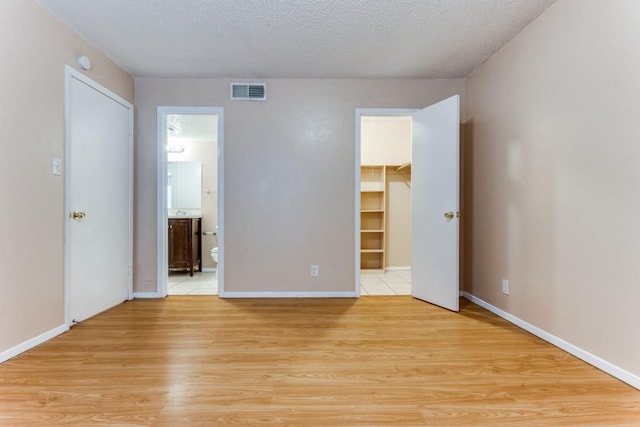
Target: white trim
x: 32, y: 342
x: 220, y: 233
x: 609, y: 368
x: 161, y: 187
x: 356, y: 170
x: 161, y: 213
x: 329, y: 294
x: 209, y: 269
x: 356, y: 200
x: 143, y: 295
x: 69, y: 73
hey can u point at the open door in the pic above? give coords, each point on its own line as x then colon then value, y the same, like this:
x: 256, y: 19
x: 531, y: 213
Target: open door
x: 435, y: 188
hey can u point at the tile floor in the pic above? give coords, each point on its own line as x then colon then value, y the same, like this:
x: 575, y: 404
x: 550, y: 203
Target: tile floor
x: 199, y: 284
x: 396, y: 282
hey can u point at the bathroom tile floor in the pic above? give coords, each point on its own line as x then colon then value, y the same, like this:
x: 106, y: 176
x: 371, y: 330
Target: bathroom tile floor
x: 396, y: 282
x: 200, y: 284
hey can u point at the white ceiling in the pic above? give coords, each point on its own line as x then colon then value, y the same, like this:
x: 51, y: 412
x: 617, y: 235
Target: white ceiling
x: 298, y: 38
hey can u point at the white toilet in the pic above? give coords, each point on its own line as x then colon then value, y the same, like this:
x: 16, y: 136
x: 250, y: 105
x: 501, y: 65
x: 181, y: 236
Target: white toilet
x: 214, y: 254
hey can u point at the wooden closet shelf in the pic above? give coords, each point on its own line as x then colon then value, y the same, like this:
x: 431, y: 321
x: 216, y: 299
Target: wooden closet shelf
x: 404, y: 166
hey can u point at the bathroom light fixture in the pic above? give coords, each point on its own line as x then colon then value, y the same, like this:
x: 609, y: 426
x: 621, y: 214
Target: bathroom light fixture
x: 175, y: 148
x: 84, y: 62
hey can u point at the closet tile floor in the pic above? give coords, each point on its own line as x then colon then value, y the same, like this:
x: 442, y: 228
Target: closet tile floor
x: 396, y: 282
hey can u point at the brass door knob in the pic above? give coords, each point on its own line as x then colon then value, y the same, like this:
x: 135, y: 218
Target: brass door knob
x: 78, y: 215
x: 449, y: 215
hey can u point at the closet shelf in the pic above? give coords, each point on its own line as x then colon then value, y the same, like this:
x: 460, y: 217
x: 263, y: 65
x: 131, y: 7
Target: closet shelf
x: 404, y: 166
x: 373, y: 188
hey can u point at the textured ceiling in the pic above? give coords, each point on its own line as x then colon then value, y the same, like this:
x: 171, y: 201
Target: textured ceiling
x: 298, y: 38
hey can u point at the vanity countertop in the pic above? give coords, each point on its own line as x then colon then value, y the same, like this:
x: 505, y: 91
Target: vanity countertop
x: 184, y: 216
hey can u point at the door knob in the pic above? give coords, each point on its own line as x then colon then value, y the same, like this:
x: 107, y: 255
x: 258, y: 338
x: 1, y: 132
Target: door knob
x: 449, y: 215
x: 78, y: 215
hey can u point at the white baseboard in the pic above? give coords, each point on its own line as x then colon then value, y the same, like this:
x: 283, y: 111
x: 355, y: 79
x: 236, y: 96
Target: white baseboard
x: 209, y: 269
x: 30, y: 343
x: 406, y: 268
x: 147, y: 295
x: 351, y: 294
x: 603, y: 365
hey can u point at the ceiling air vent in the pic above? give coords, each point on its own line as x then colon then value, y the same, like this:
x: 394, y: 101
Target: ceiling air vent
x: 249, y: 91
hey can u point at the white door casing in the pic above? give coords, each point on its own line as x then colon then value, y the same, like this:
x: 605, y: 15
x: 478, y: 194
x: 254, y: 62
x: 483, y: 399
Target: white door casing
x: 98, y: 180
x: 435, y: 192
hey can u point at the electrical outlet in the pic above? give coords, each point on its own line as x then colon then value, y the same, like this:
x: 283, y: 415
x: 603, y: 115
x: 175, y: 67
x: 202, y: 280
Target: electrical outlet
x: 505, y: 286
x: 315, y: 270
x: 56, y: 166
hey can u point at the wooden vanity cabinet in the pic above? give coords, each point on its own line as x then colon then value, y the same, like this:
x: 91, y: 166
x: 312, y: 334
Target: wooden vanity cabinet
x: 185, y: 243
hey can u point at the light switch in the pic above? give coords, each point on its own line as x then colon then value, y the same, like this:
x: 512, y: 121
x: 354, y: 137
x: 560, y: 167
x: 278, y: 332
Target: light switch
x: 56, y: 166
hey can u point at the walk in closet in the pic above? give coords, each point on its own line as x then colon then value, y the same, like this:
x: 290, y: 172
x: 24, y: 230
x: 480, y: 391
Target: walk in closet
x: 385, y: 193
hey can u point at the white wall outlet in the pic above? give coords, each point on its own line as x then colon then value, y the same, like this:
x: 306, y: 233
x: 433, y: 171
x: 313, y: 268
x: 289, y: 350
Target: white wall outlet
x: 315, y: 270
x: 505, y: 286
x: 56, y: 166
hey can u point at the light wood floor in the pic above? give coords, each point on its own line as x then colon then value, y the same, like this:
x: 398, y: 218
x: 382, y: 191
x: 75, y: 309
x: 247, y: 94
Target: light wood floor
x: 376, y: 361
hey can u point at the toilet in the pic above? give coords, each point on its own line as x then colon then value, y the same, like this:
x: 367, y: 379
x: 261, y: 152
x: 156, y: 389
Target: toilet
x: 214, y: 254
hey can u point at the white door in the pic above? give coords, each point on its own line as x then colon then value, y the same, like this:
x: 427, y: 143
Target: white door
x: 435, y: 190
x: 98, y: 177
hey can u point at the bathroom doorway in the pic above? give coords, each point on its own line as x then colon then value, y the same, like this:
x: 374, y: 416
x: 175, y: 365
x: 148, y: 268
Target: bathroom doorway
x: 190, y: 201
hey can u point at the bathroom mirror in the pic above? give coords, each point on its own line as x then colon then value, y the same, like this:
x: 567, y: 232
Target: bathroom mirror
x: 184, y: 185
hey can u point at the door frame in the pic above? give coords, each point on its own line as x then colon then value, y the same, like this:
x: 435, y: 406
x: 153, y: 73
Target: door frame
x: 162, y: 251
x: 72, y: 73
x: 359, y: 113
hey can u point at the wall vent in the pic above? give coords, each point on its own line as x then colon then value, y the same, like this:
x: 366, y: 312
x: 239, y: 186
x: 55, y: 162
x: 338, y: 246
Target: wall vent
x: 249, y: 91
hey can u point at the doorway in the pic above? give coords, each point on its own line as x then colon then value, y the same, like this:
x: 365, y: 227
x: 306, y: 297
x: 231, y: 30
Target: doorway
x: 190, y: 201
x: 384, y: 196
x: 435, y: 201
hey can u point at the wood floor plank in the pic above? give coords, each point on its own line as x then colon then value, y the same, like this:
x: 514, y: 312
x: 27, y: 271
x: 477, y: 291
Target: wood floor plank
x: 376, y: 361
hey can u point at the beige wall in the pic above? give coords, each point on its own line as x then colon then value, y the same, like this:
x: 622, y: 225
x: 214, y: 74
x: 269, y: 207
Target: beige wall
x: 398, y: 218
x: 385, y: 140
x: 35, y: 48
x: 289, y: 175
x: 552, y: 148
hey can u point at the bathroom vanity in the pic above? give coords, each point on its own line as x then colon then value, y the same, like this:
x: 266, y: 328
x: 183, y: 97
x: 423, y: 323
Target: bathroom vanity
x: 185, y: 243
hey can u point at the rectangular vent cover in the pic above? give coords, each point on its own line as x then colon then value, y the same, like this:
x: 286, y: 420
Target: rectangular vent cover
x: 249, y: 91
